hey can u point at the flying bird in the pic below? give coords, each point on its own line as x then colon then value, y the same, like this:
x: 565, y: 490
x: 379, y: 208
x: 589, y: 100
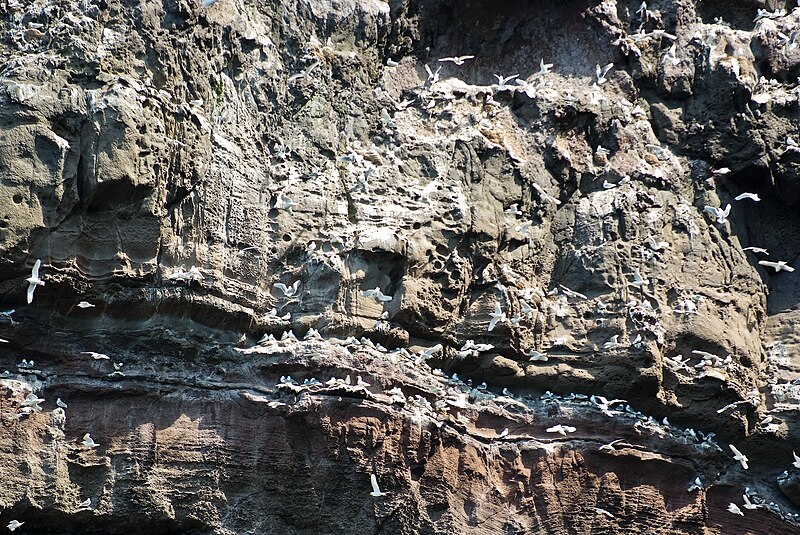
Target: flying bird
x: 96, y: 356
x: 603, y: 512
x: 34, y: 280
x: 503, y: 81
x: 433, y: 77
x: 733, y: 508
x: 561, y: 429
x: 376, y: 491
x: 14, y: 524
x: 780, y: 265
x: 88, y: 442
x: 32, y: 401
x: 536, y: 356
x: 85, y: 304
x: 544, y: 68
x: 718, y: 213
x: 458, y: 60
x: 746, y: 195
x: 756, y: 250
x: 288, y: 291
x: 497, y: 315
x: 796, y: 462
x: 601, y: 73
x: 739, y: 456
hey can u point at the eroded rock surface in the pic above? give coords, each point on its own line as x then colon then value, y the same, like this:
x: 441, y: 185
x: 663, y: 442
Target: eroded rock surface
x: 173, y: 163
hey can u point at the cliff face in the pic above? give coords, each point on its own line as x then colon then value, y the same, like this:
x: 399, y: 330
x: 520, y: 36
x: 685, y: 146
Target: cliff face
x: 173, y: 162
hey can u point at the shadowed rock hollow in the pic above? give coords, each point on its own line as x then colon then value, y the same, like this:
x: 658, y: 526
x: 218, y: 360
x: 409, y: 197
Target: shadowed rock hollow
x: 172, y: 163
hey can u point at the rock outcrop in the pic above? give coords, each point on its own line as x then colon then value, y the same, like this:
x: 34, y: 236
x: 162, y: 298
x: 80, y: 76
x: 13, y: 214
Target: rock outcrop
x: 214, y: 189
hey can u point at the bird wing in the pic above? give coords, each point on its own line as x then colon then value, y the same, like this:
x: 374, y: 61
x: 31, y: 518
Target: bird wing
x: 31, y: 288
x: 35, y: 270
x: 281, y: 286
x: 374, y: 481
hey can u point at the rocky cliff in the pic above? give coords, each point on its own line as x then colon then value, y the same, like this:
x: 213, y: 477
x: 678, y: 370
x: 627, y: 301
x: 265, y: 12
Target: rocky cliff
x: 529, y: 263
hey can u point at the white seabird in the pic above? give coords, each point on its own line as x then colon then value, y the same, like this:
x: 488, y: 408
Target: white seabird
x: 502, y: 82
x: 88, y: 442
x: 748, y: 504
x: 780, y: 265
x: 503, y: 433
x: 544, y: 68
x: 695, y: 485
x: 561, y: 429
x: 601, y: 73
x: 497, y: 315
x: 85, y: 504
x: 718, y: 213
x: 603, y: 512
x: 747, y: 195
x: 739, y: 456
x: 32, y: 401
x: 756, y: 250
x: 376, y: 491
x: 377, y: 294
x: 96, y: 356
x: 458, y: 60
x: 610, y: 445
x: 535, y: 356
x: 613, y: 343
x: 638, y: 280
x: 288, y: 291
x: 34, y: 280
x: 796, y: 462
x: 14, y: 524
x: 733, y: 508
x: 61, y: 403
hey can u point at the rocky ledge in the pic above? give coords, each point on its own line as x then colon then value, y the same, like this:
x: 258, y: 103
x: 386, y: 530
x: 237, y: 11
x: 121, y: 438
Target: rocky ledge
x: 528, y: 264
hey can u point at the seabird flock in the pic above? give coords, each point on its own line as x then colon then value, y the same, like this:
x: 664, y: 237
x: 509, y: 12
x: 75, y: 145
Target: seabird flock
x: 457, y: 392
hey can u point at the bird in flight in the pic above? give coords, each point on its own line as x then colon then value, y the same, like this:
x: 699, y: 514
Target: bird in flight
x: 458, y: 60
x: 376, y: 490
x: 561, y: 429
x: 739, y: 456
x: 497, y: 315
x: 718, y: 213
x: 34, y: 280
x: 88, y: 441
x: 288, y: 291
x: 747, y: 195
x: 780, y: 265
x: 601, y: 73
